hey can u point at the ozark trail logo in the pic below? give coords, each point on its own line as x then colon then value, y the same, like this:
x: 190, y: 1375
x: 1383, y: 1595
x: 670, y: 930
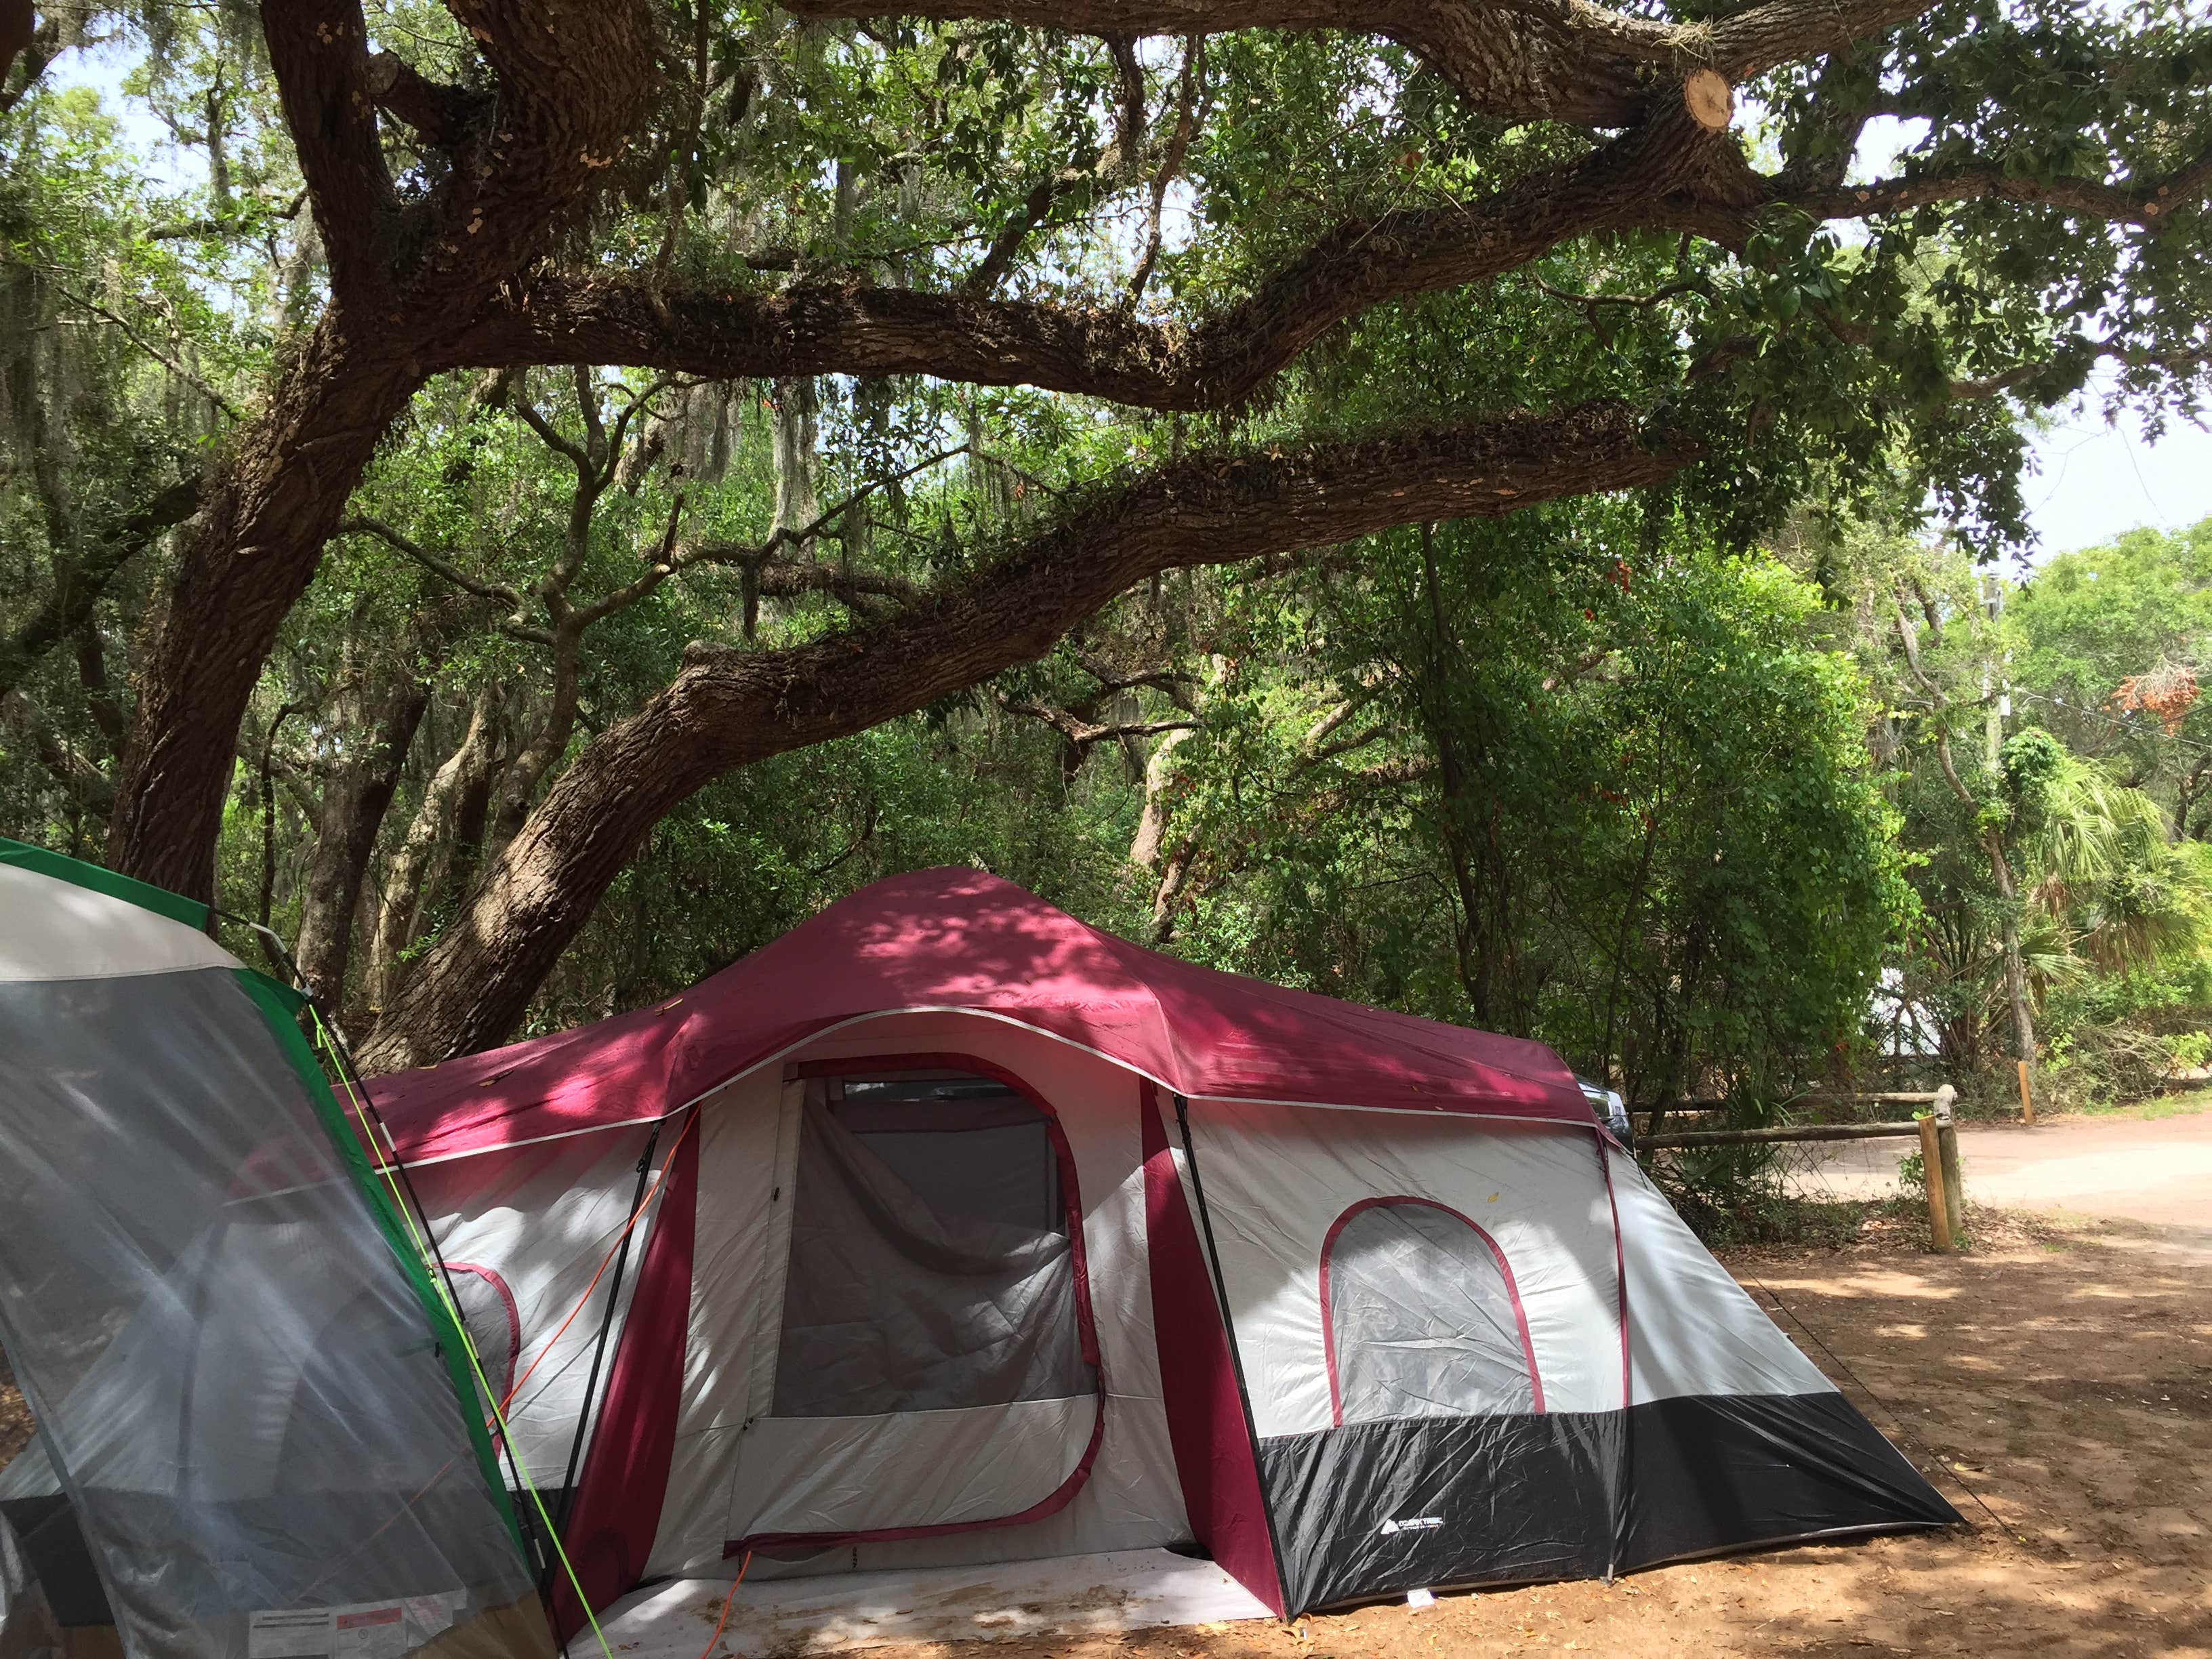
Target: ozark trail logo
x: 1417, y: 1523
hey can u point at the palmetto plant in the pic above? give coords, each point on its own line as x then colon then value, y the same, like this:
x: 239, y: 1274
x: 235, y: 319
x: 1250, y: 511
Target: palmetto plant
x: 2102, y: 870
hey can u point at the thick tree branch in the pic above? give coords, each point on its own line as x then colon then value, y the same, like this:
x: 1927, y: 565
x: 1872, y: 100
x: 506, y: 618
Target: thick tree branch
x: 856, y: 330
x: 572, y: 77
x: 728, y: 708
x: 1658, y: 178
x: 319, y: 49
x: 1081, y: 734
x: 1520, y: 60
x: 1172, y: 683
x: 862, y: 591
x: 443, y: 117
x: 1188, y: 119
x: 2148, y: 205
x: 18, y: 27
x: 446, y: 570
x: 1079, y: 185
x: 785, y: 580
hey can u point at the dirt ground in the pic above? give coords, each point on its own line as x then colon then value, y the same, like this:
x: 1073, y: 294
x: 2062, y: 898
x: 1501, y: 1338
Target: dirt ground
x: 14, y: 1418
x: 2061, y: 1375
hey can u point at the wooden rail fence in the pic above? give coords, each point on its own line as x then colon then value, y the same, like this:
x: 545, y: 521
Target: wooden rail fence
x: 1934, y: 1129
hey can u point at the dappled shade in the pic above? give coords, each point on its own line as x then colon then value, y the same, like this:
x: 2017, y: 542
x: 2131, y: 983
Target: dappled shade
x: 961, y: 939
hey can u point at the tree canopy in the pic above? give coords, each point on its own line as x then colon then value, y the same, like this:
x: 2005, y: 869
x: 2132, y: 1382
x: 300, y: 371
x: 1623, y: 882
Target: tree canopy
x: 535, y: 427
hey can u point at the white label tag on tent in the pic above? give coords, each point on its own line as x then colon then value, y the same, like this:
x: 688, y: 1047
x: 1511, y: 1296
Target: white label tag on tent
x: 362, y: 1629
x: 375, y: 1631
x: 288, y: 1633
x: 1420, y: 1598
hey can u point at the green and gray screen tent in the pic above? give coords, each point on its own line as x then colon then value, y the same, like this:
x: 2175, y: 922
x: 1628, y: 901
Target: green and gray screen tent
x: 252, y: 1400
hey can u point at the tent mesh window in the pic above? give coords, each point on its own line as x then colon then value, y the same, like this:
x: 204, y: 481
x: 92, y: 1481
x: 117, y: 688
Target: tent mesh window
x: 1422, y: 1317
x: 931, y: 1266
x: 257, y: 1432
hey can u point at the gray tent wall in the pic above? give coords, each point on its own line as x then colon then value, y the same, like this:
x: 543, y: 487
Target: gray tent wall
x: 245, y: 1386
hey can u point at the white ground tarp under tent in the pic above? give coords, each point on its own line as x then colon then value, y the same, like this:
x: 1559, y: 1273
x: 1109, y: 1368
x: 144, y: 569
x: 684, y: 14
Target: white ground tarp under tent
x: 1057, y: 1595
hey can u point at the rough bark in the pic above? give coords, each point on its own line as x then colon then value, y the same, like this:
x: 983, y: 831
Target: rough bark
x: 452, y: 278
x: 853, y: 329
x: 260, y: 533
x: 1146, y: 846
x: 572, y: 77
x: 726, y: 709
x: 357, y: 791
x: 407, y: 874
x: 1562, y: 60
x: 17, y: 26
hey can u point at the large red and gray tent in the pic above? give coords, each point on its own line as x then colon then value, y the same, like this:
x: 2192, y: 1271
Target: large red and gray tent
x: 949, y: 1231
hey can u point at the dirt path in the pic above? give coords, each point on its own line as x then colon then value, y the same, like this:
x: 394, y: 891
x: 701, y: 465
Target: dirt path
x: 2157, y: 1172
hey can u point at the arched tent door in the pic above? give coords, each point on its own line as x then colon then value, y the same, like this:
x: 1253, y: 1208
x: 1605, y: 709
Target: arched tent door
x: 935, y: 1365
x: 1420, y: 1317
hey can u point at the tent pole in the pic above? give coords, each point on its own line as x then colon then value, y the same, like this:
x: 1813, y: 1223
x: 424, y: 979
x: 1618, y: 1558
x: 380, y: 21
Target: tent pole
x: 1236, y: 1355
x: 599, y: 1349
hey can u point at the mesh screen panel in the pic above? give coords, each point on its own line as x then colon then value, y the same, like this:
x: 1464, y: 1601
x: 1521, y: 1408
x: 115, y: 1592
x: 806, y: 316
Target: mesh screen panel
x: 930, y: 1262
x: 1420, y: 1320
x: 239, y: 1388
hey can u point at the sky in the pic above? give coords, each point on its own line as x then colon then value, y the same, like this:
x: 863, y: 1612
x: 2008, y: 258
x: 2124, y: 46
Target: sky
x: 2093, y: 480
x: 2089, y: 481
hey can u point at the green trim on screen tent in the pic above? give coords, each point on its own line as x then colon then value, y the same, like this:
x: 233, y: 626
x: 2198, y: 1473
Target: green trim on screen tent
x: 280, y: 1007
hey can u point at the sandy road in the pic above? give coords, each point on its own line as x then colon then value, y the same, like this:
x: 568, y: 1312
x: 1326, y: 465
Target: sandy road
x: 2157, y: 1172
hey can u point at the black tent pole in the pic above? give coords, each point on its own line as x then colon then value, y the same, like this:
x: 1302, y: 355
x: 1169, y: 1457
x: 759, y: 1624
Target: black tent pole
x: 600, y: 1348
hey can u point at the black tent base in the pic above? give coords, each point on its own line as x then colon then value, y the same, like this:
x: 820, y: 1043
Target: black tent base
x: 1370, y: 1510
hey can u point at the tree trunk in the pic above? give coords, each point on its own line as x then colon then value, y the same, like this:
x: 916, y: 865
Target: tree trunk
x: 17, y: 26
x: 258, y: 540
x: 406, y: 878
x: 1473, y: 960
x: 2016, y: 971
x: 355, y: 796
x: 405, y: 276
x: 1147, y: 845
x: 543, y: 751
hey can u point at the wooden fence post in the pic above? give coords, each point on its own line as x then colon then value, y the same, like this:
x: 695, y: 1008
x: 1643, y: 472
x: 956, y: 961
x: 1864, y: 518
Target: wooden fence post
x: 1947, y: 1146
x: 2027, y: 1099
x: 1931, y: 1171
